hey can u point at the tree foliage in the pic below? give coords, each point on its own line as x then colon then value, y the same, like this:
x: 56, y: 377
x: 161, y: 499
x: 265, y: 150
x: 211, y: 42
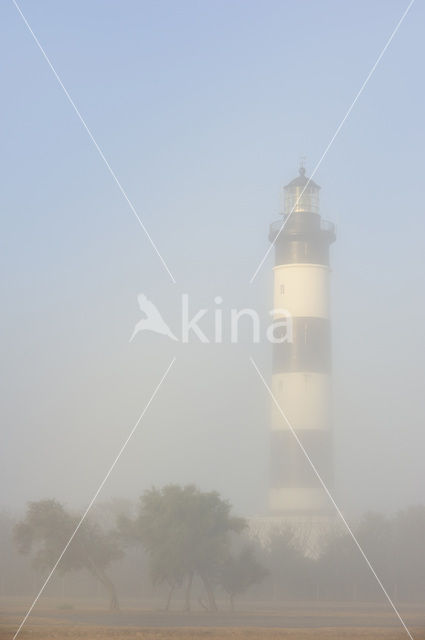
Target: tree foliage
x: 47, y: 528
x: 191, y: 537
x: 289, y: 568
x: 239, y: 571
x: 185, y: 533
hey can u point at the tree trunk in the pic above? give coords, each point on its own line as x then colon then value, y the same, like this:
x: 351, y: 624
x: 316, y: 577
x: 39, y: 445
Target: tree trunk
x: 212, y: 605
x: 188, y: 589
x: 109, y: 586
x: 100, y: 574
x: 170, y: 595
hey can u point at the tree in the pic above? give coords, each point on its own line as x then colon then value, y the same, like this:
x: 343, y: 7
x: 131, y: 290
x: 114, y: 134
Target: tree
x: 409, y: 552
x: 185, y: 532
x: 15, y: 575
x: 239, y: 571
x: 289, y: 568
x: 342, y: 568
x: 45, y: 531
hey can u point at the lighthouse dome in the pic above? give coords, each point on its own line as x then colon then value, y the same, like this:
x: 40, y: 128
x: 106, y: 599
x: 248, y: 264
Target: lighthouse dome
x: 301, y: 181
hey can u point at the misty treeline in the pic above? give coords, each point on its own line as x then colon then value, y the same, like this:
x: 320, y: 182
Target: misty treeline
x: 185, y: 534
x: 187, y: 544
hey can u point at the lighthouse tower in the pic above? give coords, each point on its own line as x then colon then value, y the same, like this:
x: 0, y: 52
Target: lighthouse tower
x: 301, y: 380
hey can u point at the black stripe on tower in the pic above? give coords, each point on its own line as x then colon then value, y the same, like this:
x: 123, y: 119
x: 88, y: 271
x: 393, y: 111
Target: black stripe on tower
x: 290, y: 469
x: 310, y: 349
x: 304, y: 239
x: 302, y: 250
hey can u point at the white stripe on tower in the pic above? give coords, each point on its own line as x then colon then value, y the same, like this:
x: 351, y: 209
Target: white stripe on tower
x: 302, y: 369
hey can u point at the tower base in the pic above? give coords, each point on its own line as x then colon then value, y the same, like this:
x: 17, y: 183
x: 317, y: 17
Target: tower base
x: 308, y: 531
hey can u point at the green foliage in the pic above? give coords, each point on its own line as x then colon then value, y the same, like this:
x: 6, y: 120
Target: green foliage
x: 190, y: 536
x: 46, y: 530
x: 290, y: 569
x: 240, y: 571
x: 184, y: 532
x: 409, y: 551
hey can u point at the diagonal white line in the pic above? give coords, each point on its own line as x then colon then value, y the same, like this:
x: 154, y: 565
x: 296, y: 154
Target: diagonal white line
x: 332, y: 140
x: 83, y: 517
x: 99, y: 150
x: 328, y: 493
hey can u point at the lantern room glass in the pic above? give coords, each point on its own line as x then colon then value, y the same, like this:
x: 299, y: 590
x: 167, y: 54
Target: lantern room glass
x: 301, y: 202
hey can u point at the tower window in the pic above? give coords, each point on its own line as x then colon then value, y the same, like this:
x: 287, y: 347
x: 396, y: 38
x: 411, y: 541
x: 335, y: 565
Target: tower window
x: 282, y: 289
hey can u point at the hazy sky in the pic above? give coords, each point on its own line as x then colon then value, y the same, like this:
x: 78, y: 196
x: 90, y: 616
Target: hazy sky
x: 203, y: 110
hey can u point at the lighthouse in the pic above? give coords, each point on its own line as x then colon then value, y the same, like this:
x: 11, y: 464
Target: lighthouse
x: 301, y: 375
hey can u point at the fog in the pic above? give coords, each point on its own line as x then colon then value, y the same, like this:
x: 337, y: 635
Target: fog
x: 203, y: 111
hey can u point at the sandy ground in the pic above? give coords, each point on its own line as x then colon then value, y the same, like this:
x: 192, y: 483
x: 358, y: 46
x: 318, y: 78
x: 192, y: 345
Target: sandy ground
x: 302, y: 621
x: 97, y: 633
